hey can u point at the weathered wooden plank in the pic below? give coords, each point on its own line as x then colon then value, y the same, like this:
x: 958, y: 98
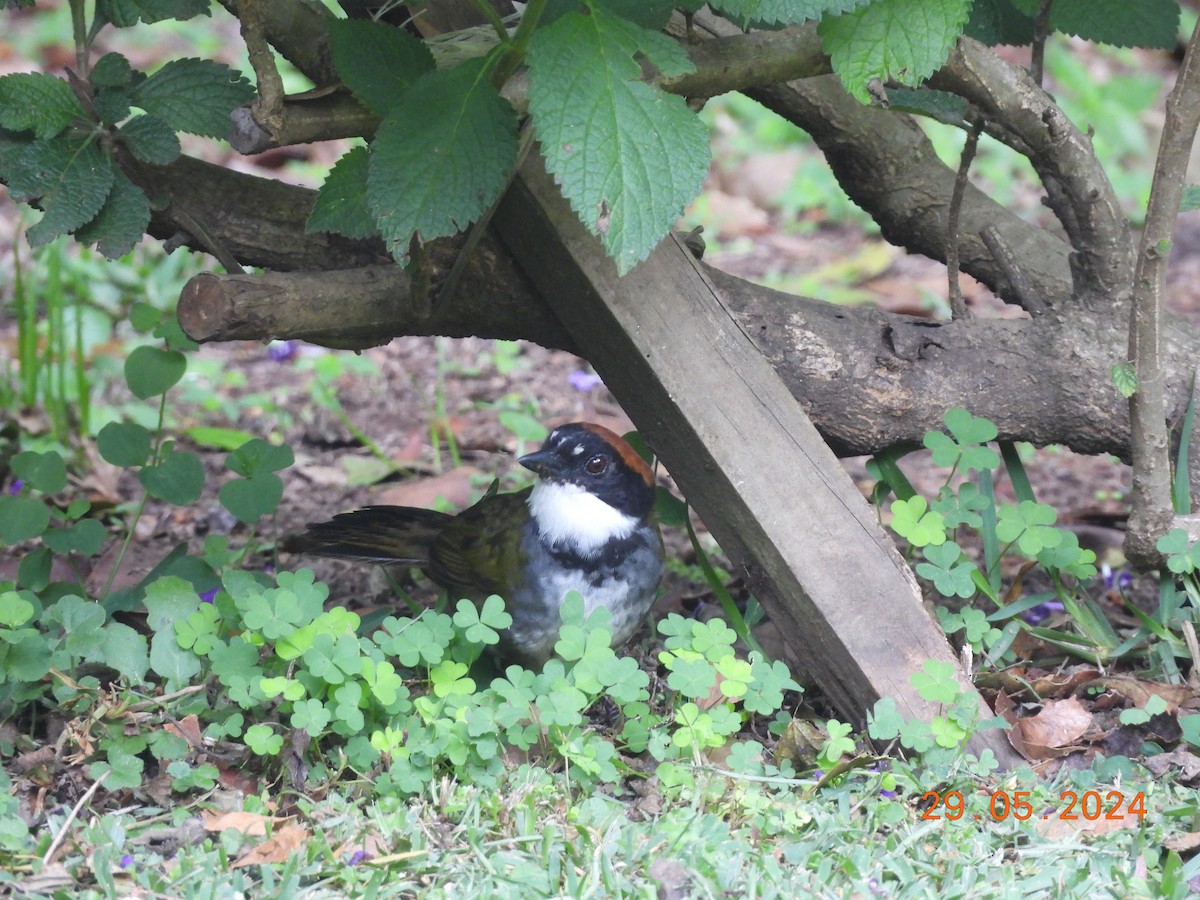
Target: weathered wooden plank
x: 742, y: 450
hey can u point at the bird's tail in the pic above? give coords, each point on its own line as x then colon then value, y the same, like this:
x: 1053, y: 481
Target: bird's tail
x: 385, y: 534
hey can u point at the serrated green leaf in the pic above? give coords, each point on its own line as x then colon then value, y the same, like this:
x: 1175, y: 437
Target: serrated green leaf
x: 124, y: 13
x: 892, y: 40
x: 627, y: 156
x: 150, y: 139
x: 435, y: 179
x: 652, y: 14
x: 111, y: 105
x: 378, y: 62
x: 37, y: 102
x: 1148, y: 23
x: 121, y: 222
x: 782, y: 12
x: 341, y: 204
x: 194, y: 95
x: 71, y: 178
x: 111, y: 70
x: 1124, y: 377
x: 995, y: 22
x: 178, y: 479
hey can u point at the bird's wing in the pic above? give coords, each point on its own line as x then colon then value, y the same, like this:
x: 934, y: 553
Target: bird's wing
x: 479, y: 551
x: 386, y: 534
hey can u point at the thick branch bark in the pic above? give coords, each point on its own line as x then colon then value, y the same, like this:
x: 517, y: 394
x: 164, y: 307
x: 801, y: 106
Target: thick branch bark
x: 260, y: 221
x: 869, y: 380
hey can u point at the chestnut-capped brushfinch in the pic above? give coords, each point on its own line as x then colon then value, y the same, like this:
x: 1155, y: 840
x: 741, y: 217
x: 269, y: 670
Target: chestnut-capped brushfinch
x: 587, y: 525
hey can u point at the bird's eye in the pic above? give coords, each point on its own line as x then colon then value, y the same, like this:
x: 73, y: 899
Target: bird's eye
x: 596, y: 465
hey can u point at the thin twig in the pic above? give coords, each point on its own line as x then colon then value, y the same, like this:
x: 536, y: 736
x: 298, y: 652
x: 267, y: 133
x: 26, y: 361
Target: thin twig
x: 1041, y: 31
x: 62, y: 832
x: 958, y: 307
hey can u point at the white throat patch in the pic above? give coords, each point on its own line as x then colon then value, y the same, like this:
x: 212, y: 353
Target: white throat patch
x: 567, y: 514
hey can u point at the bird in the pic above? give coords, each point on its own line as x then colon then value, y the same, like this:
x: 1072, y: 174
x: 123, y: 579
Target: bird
x: 586, y: 525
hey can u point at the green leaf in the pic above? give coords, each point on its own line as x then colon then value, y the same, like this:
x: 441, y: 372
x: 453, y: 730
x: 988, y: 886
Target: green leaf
x: 257, y: 457
x: 1191, y: 198
x: 215, y: 437
x: 124, y: 444
x: 913, y: 520
x: 45, y: 472
x: 341, y: 204
x: 151, y: 371
x: 178, y: 479
x: 124, y: 13
x: 1124, y: 378
x: 436, y: 179
x: 378, y: 62
x: 892, y: 40
x: 1148, y: 23
x: 15, y: 610
x: 111, y: 70
x: 150, y: 139
x: 627, y: 156
x: 85, y: 537
x: 122, y: 769
x: 941, y: 106
x: 948, y: 570
x: 1030, y: 524
x: 251, y: 498
x: 69, y: 176
x: 126, y: 651
x: 22, y: 518
x: 782, y: 12
x: 121, y: 222
x: 194, y: 95
x: 262, y: 740
x: 995, y: 22
x: 37, y: 102
x: 936, y: 682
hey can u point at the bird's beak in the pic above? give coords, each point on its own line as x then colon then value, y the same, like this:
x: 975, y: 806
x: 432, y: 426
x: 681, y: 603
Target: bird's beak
x: 543, y: 462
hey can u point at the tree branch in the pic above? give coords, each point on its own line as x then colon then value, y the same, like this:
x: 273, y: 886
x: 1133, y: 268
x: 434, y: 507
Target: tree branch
x: 1150, y: 498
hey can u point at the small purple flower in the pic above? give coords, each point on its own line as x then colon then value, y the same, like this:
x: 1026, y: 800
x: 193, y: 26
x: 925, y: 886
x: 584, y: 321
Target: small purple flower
x: 126, y: 861
x: 358, y: 858
x: 281, y: 351
x: 208, y: 596
x: 1037, y: 614
x: 1122, y: 579
x: 583, y: 381
x: 15, y: 487
x: 890, y: 795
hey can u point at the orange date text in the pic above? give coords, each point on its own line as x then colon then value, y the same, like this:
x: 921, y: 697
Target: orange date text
x: 1089, y: 806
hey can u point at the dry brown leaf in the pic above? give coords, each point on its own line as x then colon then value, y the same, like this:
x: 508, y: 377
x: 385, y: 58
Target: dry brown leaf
x: 248, y: 823
x: 277, y: 848
x: 1182, y: 843
x: 1057, y: 829
x: 454, y: 486
x: 1137, y: 692
x: 1187, y: 763
x: 1053, y: 731
x: 187, y: 728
